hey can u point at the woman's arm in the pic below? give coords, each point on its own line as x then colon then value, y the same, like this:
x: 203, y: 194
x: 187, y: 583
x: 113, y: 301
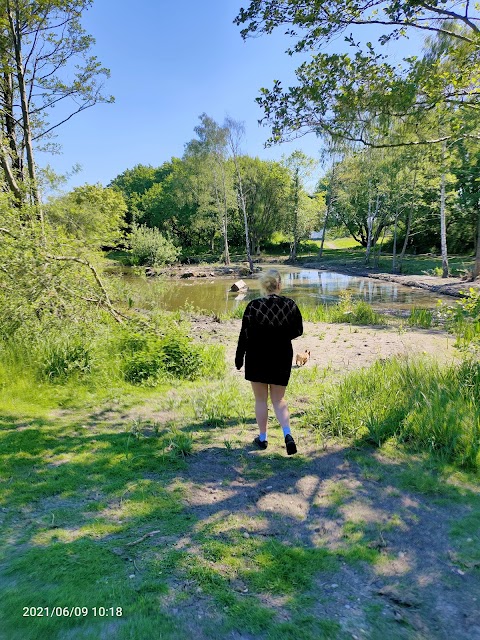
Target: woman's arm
x: 296, y: 323
x: 242, y: 339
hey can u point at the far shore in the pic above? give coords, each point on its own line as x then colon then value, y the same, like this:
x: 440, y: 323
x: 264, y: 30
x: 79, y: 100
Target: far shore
x: 452, y: 286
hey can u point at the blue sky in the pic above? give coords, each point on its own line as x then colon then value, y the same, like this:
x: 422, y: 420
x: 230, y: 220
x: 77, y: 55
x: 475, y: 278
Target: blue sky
x: 169, y: 62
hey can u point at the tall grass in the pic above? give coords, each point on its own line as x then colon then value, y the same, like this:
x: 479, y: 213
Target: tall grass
x: 427, y: 407
x: 421, y: 318
x: 346, y: 310
x: 68, y: 363
x: 351, y: 312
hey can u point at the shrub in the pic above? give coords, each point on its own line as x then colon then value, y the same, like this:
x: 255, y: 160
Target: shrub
x: 181, y: 357
x: 147, y: 358
x: 63, y: 357
x: 464, y: 319
x: 143, y: 367
x: 149, y: 247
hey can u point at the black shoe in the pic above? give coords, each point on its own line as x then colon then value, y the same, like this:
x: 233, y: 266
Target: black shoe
x: 290, y: 444
x: 262, y: 444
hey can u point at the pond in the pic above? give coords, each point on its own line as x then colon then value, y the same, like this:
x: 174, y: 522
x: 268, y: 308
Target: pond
x: 308, y: 287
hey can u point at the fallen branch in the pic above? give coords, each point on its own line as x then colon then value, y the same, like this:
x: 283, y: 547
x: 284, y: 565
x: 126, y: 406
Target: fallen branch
x: 147, y: 535
x: 118, y: 317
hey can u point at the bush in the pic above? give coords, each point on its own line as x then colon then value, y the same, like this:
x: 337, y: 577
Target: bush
x: 149, y: 358
x: 463, y: 320
x: 149, y: 247
x: 181, y: 357
x: 144, y: 367
x: 63, y: 357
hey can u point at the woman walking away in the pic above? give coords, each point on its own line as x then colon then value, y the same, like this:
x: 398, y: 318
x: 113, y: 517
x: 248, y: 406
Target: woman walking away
x: 269, y: 325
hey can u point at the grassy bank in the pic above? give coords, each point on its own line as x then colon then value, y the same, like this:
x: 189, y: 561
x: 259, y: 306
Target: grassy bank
x: 347, y: 256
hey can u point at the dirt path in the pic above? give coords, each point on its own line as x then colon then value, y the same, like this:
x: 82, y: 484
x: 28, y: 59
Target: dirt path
x: 401, y: 574
x: 348, y: 501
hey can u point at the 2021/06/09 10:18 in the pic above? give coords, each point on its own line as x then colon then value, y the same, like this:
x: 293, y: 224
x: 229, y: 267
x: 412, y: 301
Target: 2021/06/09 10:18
x: 72, y: 612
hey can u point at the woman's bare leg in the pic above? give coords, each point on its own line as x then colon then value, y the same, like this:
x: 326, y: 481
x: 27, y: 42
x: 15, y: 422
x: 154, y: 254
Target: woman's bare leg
x: 277, y: 394
x: 260, y: 391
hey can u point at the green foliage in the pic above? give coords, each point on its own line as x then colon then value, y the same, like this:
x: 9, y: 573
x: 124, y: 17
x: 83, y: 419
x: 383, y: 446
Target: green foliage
x: 90, y: 213
x: 150, y: 247
x: 181, y: 444
x: 331, y: 86
x: 347, y: 310
x: 64, y: 357
x: 182, y: 359
x: 420, y: 318
x: 148, y: 358
x: 463, y: 320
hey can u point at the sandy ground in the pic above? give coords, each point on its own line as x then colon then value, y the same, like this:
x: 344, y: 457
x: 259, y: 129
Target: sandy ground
x: 340, y: 347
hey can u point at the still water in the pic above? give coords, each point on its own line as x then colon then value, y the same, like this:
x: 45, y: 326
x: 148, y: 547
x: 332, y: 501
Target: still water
x: 308, y: 287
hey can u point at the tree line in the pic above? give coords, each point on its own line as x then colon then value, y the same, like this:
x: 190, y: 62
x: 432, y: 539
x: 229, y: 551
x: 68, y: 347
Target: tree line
x: 404, y: 142
x: 215, y: 198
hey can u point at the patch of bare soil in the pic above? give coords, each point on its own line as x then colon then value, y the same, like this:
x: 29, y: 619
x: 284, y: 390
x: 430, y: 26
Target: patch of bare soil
x: 328, y: 498
x: 338, y: 346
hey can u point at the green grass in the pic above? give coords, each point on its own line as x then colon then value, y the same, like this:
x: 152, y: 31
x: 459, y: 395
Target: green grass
x: 346, y: 254
x: 341, y: 243
x: 423, y: 318
x: 426, y: 407
x: 348, y: 310
x: 95, y: 503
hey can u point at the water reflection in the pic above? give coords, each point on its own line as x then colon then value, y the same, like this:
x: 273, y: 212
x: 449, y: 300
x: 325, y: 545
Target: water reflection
x: 308, y: 287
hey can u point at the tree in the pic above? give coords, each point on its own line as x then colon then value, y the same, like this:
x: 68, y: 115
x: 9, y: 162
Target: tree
x: 134, y: 183
x: 44, y: 65
x: 303, y: 216
x: 236, y: 131
x: 90, y: 213
x: 266, y: 190
x: 210, y: 151
x: 467, y: 172
x: 339, y: 94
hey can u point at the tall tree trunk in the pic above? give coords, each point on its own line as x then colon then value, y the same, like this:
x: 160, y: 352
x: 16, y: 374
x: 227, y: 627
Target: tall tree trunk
x: 407, y: 236
x: 394, y: 250
x: 226, y: 253
x: 296, y: 196
x: 409, y: 220
x: 328, y: 211
x: 225, y: 220
x: 241, y: 197
x: 443, y: 225
x: 14, y: 23
x: 10, y: 125
x: 370, y: 220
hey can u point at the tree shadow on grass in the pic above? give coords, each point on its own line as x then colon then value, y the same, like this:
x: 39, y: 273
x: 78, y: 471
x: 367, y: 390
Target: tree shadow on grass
x: 228, y: 542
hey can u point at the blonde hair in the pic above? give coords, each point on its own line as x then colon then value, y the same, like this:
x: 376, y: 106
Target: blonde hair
x: 270, y: 281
